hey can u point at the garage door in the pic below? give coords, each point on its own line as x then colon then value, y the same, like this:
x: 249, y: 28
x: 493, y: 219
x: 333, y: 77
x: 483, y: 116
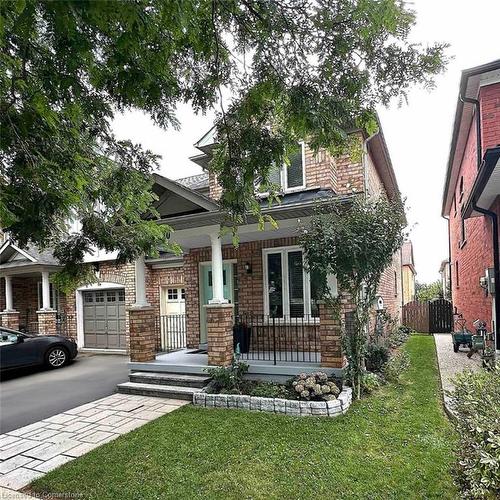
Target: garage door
x: 104, y: 319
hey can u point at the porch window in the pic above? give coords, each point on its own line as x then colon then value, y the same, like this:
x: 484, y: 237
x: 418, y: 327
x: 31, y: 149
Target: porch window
x: 54, y: 296
x: 289, y: 290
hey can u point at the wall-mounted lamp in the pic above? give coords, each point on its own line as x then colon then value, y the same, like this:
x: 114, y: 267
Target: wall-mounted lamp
x: 248, y: 268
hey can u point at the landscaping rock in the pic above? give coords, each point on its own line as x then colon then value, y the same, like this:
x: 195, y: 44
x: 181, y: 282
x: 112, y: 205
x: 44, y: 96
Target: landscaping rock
x: 255, y: 403
x: 305, y: 408
x: 334, y: 408
x: 221, y: 401
x: 267, y: 404
x: 293, y: 408
x: 210, y: 400
x: 279, y: 405
x: 199, y: 398
x: 244, y: 402
x: 232, y: 400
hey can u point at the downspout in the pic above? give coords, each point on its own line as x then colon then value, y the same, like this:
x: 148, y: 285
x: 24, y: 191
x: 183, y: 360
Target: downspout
x: 479, y: 148
x: 494, y: 221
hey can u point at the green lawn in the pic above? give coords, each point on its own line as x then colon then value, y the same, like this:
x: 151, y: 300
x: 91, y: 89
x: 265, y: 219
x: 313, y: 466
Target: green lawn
x: 395, y: 444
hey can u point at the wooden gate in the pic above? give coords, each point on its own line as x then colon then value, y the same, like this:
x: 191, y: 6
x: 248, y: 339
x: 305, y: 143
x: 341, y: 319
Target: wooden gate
x: 440, y: 316
x: 435, y: 316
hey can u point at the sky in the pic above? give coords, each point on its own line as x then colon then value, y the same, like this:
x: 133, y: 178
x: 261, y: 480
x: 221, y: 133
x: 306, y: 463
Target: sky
x: 418, y: 134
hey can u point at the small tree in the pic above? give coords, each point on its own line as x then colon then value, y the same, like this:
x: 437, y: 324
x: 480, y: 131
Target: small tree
x: 429, y: 291
x: 355, y: 241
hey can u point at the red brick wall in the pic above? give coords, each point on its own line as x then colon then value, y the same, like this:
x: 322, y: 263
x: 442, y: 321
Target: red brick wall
x: 156, y: 278
x: 341, y: 174
x: 476, y: 254
x: 489, y: 98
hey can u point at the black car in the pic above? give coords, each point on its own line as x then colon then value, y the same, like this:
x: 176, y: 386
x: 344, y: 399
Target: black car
x: 19, y: 349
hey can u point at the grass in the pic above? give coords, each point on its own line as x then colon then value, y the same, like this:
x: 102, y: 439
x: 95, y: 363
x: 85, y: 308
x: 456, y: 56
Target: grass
x: 394, y: 444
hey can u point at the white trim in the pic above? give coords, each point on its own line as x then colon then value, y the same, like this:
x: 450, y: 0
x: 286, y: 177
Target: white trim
x: 103, y: 285
x: 8, y: 243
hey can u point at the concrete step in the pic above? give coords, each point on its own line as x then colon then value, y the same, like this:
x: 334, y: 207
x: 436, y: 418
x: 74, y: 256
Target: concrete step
x: 159, y: 391
x: 176, y: 379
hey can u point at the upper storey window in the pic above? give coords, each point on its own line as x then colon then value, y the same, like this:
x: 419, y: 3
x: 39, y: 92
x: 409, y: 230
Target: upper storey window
x: 292, y: 176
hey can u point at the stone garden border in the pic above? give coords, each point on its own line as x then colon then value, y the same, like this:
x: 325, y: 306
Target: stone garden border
x: 290, y: 407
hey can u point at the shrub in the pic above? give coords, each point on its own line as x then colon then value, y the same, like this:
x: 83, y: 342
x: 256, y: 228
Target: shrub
x: 397, y: 364
x: 476, y: 402
x: 270, y: 390
x: 227, y: 378
x: 375, y: 357
x: 398, y: 336
x: 315, y: 386
x: 370, y: 382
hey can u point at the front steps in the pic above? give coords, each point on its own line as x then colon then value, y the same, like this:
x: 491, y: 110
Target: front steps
x: 164, y: 385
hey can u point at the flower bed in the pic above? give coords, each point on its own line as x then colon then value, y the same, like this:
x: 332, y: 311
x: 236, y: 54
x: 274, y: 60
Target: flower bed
x: 332, y: 408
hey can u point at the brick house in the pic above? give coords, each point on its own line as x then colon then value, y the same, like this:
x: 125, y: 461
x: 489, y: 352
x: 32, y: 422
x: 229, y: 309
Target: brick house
x: 471, y: 200
x: 192, y: 301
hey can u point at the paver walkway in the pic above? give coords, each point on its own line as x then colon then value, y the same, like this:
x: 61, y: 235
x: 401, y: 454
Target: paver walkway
x: 451, y: 363
x: 30, y: 452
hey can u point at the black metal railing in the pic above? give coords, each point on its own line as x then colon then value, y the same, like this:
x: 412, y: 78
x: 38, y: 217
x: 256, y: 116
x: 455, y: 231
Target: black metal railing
x: 170, y: 332
x: 287, y: 339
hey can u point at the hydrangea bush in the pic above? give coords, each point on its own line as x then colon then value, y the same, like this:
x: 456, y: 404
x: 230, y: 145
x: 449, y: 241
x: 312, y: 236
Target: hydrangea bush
x: 315, y: 386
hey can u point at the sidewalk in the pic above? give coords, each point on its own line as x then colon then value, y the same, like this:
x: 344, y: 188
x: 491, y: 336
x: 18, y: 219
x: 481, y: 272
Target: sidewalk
x: 451, y: 363
x: 32, y: 451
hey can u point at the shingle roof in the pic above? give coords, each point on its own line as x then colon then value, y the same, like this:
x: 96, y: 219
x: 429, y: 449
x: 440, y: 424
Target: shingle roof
x: 198, y: 181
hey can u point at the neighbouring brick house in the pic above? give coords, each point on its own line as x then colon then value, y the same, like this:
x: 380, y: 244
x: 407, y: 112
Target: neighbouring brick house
x: 471, y: 200
x: 196, y: 298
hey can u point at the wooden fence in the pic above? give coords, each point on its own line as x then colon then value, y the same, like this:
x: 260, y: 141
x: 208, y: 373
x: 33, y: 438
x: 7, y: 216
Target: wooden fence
x: 435, y: 316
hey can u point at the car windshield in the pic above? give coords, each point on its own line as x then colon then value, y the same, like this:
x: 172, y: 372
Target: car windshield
x: 7, y: 338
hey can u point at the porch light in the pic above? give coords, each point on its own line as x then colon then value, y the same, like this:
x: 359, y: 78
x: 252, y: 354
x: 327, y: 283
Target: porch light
x: 248, y: 268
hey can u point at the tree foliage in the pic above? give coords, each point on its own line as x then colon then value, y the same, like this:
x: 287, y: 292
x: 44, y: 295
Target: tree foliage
x: 295, y: 69
x: 355, y: 241
x: 428, y: 291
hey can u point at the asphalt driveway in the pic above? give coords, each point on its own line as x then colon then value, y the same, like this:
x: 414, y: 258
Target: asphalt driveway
x: 30, y: 395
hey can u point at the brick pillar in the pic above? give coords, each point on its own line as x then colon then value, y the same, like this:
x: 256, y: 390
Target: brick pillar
x: 142, y: 330
x: 220, y: 334
x: 330, y: 340
x: 10, y: 319
x: 47, y: 322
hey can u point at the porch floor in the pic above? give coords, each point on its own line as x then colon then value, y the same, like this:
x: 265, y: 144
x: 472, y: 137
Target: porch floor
x: 183, y: 362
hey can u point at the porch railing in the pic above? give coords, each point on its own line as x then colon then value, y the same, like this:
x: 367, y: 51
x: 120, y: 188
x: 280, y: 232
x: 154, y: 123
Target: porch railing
x: 170, y: 332
x: 288, y: 339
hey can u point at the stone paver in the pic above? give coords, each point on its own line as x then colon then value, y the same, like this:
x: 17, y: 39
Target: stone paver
x: 32, y: 451
x: 452, y: 363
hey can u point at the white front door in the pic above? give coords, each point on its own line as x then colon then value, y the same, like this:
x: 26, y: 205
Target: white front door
x: 172, y: 317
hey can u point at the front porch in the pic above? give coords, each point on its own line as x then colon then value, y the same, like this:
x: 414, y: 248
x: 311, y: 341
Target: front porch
x: 28, y: 301
x: 193, y: 362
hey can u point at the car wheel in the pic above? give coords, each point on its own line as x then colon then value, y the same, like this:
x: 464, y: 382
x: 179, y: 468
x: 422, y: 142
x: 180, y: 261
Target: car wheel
x: 456, y: 347
x: 56, y: 357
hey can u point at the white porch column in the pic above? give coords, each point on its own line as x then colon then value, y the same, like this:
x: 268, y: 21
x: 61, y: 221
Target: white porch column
x: 217, y: 277
x: 140, y: 283
x: 9, y: 303
x: 45, y: 291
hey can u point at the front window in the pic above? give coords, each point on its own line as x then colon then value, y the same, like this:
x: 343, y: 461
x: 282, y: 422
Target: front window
x: 289, y: 290
x: 54, y: 296
x: 290, y: 176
